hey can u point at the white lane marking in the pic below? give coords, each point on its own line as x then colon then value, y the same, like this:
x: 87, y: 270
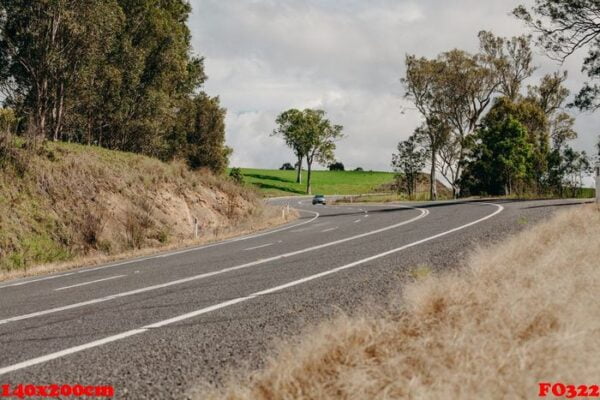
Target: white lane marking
x: 193, y: 314
x: 90, y: 282
x: 423, y: 214
x: 329, y: 230
x: 241, y: 238
x: 37, y: 280
x: 357, y: 221
x: 300, y: 230
x: 259, y: 247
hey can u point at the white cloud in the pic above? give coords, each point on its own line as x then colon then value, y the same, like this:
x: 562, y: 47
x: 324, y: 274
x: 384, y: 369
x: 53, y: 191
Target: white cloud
x: 265, y: 56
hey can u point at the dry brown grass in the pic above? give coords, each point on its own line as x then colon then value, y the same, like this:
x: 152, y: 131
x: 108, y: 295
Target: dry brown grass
x: 264, y: 219
x: 77, y: 205
x: 521, y: 312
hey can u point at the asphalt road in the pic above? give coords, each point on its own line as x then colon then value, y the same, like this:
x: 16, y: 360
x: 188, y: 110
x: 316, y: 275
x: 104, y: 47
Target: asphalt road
x: 155, y: 326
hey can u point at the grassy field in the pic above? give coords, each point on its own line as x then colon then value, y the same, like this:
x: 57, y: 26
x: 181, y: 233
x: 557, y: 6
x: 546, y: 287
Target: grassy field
x: 283, y: 183
x: 521, y: 312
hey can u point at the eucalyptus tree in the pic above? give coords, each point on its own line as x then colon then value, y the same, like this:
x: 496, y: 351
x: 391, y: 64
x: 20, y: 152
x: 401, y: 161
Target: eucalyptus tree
x: 563, y: 27
x: 409, y: 162
x: 43, y: 48
x: 451, y: 92
x: 290, y: 125
x: 311, y: 136
x: 512, y: 59
x: 320, y: 137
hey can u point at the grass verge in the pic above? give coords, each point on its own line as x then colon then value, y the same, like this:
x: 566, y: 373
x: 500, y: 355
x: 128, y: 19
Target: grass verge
x: 64, y: 205
x: 521, y: 312
x: 269, y: 217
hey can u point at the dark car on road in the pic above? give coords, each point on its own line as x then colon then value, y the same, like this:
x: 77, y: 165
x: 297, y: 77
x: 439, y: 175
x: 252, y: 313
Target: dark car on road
x: 319, y: 199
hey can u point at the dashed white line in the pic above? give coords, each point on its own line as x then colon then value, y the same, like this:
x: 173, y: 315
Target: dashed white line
x: 193, y: 314
x: 329, y: 230
x: 259, y: 247
x: 357, y: 221
x: 423, y: 214
x: 90, y: 282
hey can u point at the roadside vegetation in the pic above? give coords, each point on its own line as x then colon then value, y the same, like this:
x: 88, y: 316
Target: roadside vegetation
x: 108, y: 144
x: 487, y: 129
x: 74, y: 204
x: 520, y: 312
x: 112, y: 73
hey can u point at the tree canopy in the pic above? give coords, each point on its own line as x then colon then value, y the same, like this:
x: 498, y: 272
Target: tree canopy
x: 562, y: 28
x: 115, y: 73
x: 310, y: 135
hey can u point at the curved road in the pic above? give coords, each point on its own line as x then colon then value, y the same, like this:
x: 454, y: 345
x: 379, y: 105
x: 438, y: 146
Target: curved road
x: 152, y: 327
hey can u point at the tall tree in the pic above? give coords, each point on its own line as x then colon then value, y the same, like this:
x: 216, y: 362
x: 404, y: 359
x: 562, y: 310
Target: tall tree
x: 434, y: 136
x: 199, y: 134
x: 310, y: 135
x: 499, y: 158
x: 454, y: 89
x: 563, y: 27
x: 320, y: 138
x: 43, y: 47
x: 290, y: 125
x: 409, y: 162
x: 511, y: 57
x: 117, y: 73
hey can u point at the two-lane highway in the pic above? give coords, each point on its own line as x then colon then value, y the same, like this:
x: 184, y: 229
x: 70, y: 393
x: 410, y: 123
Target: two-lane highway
x: 153, y: 326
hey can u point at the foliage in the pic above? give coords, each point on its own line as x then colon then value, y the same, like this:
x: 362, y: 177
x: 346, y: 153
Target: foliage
x: 116, y: 73
x: 236, y: 175
x: 336, y: 166
x: 310, y: 135
x: 567, y: 168
x: 500, y: 157
x: 287, y: 167
x: 289, y: 127
x: 359, y: 169
x: 563, y: 27
x: 408, y: 164
x: 199, y: 134
x: 512, y: 60
x: 451, y: 92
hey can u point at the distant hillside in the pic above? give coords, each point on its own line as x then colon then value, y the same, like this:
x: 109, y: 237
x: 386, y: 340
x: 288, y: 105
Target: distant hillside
x: 71, y: 200
x: 283, y: 183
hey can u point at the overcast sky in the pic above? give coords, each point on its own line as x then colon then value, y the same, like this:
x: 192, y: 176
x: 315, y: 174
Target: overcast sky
x: 346, y: 57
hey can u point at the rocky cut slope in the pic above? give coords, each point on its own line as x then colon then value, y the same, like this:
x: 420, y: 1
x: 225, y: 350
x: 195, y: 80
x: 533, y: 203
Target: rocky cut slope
x: 68, y: 201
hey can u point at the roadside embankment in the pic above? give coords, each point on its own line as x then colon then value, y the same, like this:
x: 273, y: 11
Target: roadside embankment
x: 518, y: 313
x: 70, y: 205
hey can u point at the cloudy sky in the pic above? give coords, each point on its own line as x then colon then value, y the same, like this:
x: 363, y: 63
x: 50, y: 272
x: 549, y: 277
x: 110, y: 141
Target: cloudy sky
x: 346, y: 57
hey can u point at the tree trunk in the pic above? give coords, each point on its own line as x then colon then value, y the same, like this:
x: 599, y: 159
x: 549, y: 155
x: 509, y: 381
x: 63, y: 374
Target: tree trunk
x: 308, y: 188
x: 299, y: 170
x: 58, y: 113
x: 432, y: 178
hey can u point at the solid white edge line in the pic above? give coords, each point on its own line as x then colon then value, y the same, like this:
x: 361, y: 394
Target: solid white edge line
x: 174, y: 253
x: 193, y: 314
x: 90, y: 282
x: 213, y: 273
